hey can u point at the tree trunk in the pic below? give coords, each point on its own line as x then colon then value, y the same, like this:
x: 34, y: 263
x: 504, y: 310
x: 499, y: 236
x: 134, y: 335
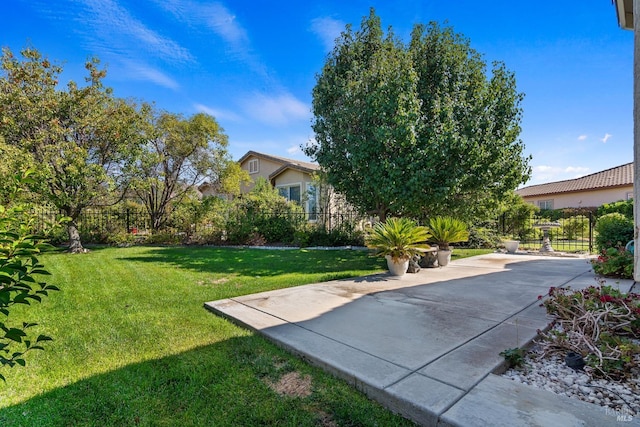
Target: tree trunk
x: 75, y: 245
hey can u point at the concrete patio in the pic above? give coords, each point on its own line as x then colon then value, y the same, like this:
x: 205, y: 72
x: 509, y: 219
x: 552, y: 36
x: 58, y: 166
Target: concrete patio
x: 427, y: 345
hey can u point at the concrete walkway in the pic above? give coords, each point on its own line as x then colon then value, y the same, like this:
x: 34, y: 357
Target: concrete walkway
x: 426, y: 345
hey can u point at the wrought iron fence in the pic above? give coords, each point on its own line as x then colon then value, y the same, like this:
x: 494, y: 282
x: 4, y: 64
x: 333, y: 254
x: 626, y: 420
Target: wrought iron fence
x: 573, y: 230
x: 96, y: 225
x: 569, y: 230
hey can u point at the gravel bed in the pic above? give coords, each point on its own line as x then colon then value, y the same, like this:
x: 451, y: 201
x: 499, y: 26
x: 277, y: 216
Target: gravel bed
x: 552, y: 374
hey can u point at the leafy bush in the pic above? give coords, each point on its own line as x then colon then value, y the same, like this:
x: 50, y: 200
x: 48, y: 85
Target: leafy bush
x: 399, y: 238
x: 344, y: 234
x: 165, y: 237
x: 614, y: 262
x: 625, y: 207
x: 574, y: 227
x: 599, y: 323
x: 483, y: 238
x: 445, y: 230
x: 613, y: 230
x: 515, y: 220
x: 122, y: 238
x: 264, y: 212
x: 20, y: 280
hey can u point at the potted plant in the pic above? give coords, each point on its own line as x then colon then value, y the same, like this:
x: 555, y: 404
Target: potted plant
x: 398, y: 240
x: 445, y: 230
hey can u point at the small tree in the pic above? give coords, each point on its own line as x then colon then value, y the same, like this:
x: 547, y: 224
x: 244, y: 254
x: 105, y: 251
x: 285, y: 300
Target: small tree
x: 417, y: 129
x: 178, y: 154
x: 78, y: 137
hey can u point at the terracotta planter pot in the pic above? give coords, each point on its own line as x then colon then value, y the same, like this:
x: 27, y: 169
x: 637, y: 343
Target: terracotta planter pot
x: 397, y: 268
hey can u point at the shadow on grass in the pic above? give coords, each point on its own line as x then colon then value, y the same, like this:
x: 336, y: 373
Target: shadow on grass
x: 260, y: 262
x: 226, y: 383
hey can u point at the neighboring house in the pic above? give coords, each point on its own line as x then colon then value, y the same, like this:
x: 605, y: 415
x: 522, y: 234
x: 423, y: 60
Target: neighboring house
x: 593, y: 190
x: 294, y: 179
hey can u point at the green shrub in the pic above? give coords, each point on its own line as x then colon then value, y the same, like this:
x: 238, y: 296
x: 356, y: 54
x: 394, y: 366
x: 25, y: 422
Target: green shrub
x: 263, y: 212
x: 625, y: 207
x: 166, y: 237
x: 613, y: 230
x: 483, y: 238
x: 20, y: 279
x: 121, y: 238
x: 574, y: 227
x: 345, y: 234
x: 614, y: 262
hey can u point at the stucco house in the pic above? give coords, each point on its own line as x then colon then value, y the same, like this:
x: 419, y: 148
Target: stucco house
x: 294, y: 179
x: 593, y: 190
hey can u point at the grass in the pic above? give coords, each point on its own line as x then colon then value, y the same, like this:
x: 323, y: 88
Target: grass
x: 133, y: 344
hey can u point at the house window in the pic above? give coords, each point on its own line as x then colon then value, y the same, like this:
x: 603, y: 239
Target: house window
x: 545, y: 204
x: 291, y: 193
x: 254, y: 166
x: 312, y: 202
x: 630, y: 195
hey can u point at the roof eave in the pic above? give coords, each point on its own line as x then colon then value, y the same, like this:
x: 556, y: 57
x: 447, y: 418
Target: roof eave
x: 624, y: 10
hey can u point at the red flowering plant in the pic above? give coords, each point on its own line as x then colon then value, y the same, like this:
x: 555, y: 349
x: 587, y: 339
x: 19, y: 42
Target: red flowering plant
x: 614, y: 262
x: 600, y: 323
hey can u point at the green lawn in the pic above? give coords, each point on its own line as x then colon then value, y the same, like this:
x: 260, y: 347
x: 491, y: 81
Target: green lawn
x: 133, y: 344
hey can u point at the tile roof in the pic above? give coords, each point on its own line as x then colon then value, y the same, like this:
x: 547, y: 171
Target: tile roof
x: 297, y: 164
x: 614, y: 177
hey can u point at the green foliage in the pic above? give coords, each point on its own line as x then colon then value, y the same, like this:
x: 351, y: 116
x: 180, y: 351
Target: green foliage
x: 345, y: 234
x: 78, y: 137
x: 483, y: 237
x: 20, y: 282
x: 599, y: 323
x: 625, y: 207
x: 416, y: 129
x: 445, y: 230
x: 514, y: 356
x: 613, y: 230
x: 399, y: 238
x: 575, y: 227
x: 263, y: 216
x: 516, y: 217
x: 614, y: 262
x: 178, y: 153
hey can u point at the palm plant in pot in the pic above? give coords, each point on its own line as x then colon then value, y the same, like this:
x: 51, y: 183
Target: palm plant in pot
x: 398, y: 240
x: 445, y: 230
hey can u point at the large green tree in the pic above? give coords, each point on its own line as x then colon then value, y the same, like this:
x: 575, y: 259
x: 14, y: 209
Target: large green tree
x: 177, y: 154
x: 79, y: 136
x: 419, y: 128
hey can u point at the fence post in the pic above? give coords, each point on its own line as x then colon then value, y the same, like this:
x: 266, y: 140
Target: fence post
x: 590, y: 232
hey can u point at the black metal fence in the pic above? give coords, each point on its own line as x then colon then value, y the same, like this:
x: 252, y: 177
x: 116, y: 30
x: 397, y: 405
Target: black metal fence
x: 569, y: 230
x: 101, y: 225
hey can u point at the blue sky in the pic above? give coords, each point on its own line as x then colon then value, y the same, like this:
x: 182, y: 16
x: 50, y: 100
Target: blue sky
x: 252, y: 63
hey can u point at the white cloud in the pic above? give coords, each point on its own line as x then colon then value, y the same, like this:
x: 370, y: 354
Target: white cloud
x: 114, y: 30
x: 218, y: 113
x: 278, y: 110
x: 294, y: 150
x: 582, y: 137
x: 224, y: 23
x: 143, y: 72
x: 606, y: 137
x: 328, y: 30
x: 544, y: 173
